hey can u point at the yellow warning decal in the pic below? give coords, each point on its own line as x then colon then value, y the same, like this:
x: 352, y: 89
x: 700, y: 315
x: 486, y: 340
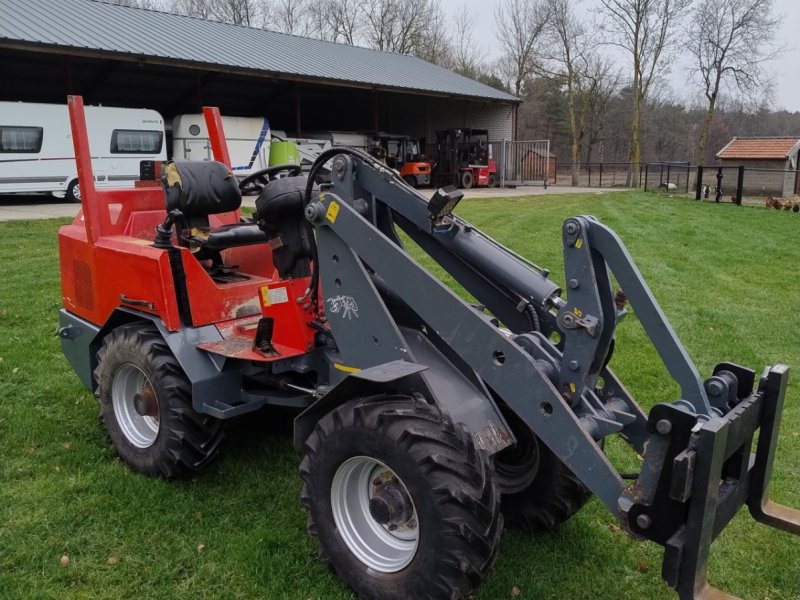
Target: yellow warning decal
x: 578, y: 243
x: 572, y: 387
x: 577, y: 312
x: 265, y: 296
x: 345, y: 368
x: 333, y: 211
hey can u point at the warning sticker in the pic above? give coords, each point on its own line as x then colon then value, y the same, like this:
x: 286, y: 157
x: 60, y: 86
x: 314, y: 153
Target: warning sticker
x: 333, y: 211
x: 277, y: 295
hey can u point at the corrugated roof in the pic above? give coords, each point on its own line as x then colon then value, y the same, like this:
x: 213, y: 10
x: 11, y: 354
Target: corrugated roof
x: 759, y: 148
x: 99, y: 27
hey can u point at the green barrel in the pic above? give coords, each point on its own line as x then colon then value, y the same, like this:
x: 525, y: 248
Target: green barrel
x: 283, y: 153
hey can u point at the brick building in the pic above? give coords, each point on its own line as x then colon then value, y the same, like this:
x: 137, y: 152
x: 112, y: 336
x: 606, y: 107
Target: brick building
x: 771, y: 164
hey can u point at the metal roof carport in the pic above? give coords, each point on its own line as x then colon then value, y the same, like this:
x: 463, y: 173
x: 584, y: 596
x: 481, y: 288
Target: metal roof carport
x: 121, y: 56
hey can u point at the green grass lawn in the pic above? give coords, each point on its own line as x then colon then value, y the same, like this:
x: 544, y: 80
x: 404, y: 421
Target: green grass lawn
x: 727, y: 277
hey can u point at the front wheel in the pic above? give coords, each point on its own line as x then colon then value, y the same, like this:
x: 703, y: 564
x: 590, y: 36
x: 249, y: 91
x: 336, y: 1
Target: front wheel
x: 403, y: 504
x: 145, y: 403
x: 539, y: 490
x: 73, y: 193
x: 467, y: 179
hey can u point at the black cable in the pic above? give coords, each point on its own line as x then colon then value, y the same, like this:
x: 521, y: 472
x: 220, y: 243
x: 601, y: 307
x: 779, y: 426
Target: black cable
x: 312, y: 175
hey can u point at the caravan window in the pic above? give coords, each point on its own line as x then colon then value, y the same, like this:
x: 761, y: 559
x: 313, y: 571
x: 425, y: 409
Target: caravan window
x: 20, y: 139
x: 136, y: 141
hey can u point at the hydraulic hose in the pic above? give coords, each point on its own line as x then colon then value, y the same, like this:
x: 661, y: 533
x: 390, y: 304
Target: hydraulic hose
x: 313, y: 286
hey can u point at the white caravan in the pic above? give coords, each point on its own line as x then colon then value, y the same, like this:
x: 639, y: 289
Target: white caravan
x: 248, y: 141
x: 37, y: 155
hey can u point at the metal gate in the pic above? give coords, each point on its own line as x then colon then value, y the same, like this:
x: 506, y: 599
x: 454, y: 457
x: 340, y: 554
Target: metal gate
x: 523, y: 162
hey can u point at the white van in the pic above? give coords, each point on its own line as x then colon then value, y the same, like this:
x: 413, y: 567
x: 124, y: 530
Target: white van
x: 248, y: 141
x: 37, y: 155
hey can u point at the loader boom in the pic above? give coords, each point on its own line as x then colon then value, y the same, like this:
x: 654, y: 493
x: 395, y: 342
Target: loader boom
x: 690, y: 445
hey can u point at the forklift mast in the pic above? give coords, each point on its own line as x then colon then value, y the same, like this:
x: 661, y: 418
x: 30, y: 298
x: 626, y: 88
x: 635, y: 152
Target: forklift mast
x: 460, y: 151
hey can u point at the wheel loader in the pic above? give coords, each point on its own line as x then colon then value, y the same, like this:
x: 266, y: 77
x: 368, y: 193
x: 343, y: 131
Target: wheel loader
x: 427, y: 423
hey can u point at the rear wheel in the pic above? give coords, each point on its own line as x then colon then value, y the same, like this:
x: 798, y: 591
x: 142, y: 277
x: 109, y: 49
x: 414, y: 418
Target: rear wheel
x: 403, y: 504
x: 466, y: 179
x: 410, y: 180
x: 73, y: 193
x: 145, y: 403
x: 539, y: 491
x: 492, y: 180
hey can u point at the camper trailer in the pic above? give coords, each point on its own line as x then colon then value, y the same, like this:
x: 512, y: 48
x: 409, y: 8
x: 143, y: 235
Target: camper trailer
x: 248, y: 141
x: 251, y: 143
x: 37, y: 155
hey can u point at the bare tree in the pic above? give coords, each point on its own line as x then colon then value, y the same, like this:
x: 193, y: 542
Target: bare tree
x: 567, y: 57
x: 466, y: 55
x: 435, y: 44
x: 338, y: 20
x: 397, y: 25
x: 194, y: 8
x: 600, y: 103
x: 729, y: 41
x: 239, y: 12
x: 519, y: 26
x: 149, y: 4
x: 293, y: 16
x: 646, y: 30
x: 243, y: 12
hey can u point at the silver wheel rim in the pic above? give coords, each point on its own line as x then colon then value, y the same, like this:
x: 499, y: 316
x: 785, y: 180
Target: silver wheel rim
x: 140, y: 430
x: 76, y: 191
x: 372, y: 543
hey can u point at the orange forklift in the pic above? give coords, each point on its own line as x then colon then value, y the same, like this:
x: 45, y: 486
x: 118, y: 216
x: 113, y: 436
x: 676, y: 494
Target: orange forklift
x: 403, y: 154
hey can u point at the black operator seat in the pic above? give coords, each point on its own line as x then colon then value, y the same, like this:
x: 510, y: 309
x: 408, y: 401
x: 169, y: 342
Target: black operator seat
x: 280, y: 214
x: 199, y: 189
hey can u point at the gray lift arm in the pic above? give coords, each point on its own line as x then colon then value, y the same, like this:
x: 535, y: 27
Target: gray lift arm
x: 698, y: 469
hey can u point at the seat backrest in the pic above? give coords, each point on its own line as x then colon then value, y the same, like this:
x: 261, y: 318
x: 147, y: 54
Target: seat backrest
x: 201, y: 188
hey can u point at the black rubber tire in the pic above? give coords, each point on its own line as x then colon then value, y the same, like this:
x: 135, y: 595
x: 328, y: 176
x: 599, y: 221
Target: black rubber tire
x: 450, y: 482
x: 492, y: 180
x: 553, y: 495
x: 186, y: 441
x: 70, y: 196
x: 411, y: 180
x: 466, y: 179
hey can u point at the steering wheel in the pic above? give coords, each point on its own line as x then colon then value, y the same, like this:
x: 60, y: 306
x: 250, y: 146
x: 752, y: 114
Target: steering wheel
x: 255, y: 182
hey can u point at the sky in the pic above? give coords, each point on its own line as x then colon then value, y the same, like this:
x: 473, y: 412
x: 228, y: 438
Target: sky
x: 786, y: 68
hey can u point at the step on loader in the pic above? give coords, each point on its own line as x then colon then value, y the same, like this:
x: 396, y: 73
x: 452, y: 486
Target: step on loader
x: 426, y: 423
